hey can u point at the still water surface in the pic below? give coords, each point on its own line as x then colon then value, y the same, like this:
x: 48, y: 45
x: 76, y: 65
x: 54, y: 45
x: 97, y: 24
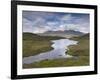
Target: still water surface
x: 60, y: 47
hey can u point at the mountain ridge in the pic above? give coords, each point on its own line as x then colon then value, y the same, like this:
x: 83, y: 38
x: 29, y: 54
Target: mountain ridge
x: 65, y: 33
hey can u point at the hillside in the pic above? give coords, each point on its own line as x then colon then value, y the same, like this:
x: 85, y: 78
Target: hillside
x: 32, y: 36
x: 34, y: 44
x: 80, y: 53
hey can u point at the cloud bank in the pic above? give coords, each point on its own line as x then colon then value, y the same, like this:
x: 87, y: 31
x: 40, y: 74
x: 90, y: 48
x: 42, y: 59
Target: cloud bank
x: 39, y: 22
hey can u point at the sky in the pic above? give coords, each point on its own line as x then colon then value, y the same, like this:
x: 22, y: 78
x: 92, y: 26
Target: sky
x: 40, y: 22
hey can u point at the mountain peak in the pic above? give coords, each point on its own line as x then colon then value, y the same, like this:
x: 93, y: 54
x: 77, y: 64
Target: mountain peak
x: 66, y: 32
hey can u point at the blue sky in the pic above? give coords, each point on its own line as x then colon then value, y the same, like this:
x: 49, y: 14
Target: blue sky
x: 39, y: 22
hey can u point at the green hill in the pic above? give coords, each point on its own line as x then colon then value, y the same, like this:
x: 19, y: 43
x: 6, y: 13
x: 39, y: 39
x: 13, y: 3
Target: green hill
x: 32, y: 36
x: 80, y: 53
x: 34, y: 44
x: 83, y: 45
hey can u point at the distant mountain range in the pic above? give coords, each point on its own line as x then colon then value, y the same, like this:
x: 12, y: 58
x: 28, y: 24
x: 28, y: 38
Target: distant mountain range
x: 65, y: 33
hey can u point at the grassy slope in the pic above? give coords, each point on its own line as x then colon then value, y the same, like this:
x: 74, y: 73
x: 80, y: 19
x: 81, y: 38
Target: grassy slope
x: 81, y: 51
x: 34, y: 44
x: 82, y: 48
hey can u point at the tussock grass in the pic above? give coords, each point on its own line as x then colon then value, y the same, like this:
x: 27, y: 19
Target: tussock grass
x: 34, y: 44
x: 80, y: 53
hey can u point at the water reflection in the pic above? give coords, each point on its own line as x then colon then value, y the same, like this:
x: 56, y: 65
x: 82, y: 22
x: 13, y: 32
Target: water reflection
x: 60, y: 47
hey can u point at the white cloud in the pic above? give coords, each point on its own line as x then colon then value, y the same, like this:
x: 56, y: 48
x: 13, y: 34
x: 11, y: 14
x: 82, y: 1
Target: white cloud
x: 38, y: 22
x: 70, y: 22
x: 39, y: 30
x: 38, y: 26
x: 66, y: 17
x: 27, y: 25
x: 77, y: 27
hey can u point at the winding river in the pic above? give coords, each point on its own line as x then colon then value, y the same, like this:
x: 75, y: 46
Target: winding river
x: 60, y: 47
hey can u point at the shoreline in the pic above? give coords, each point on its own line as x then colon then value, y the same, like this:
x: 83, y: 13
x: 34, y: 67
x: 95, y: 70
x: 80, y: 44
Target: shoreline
x: 35, y: 44
x: 81, y: 50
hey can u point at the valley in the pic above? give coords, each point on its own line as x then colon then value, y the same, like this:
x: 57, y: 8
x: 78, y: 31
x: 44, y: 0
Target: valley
x: 34, y: 44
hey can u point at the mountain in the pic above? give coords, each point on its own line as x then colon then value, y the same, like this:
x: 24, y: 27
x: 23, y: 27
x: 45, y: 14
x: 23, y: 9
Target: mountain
x: 65, y: 33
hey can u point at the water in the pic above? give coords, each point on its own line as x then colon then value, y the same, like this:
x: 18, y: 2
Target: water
x: 60, y: 47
